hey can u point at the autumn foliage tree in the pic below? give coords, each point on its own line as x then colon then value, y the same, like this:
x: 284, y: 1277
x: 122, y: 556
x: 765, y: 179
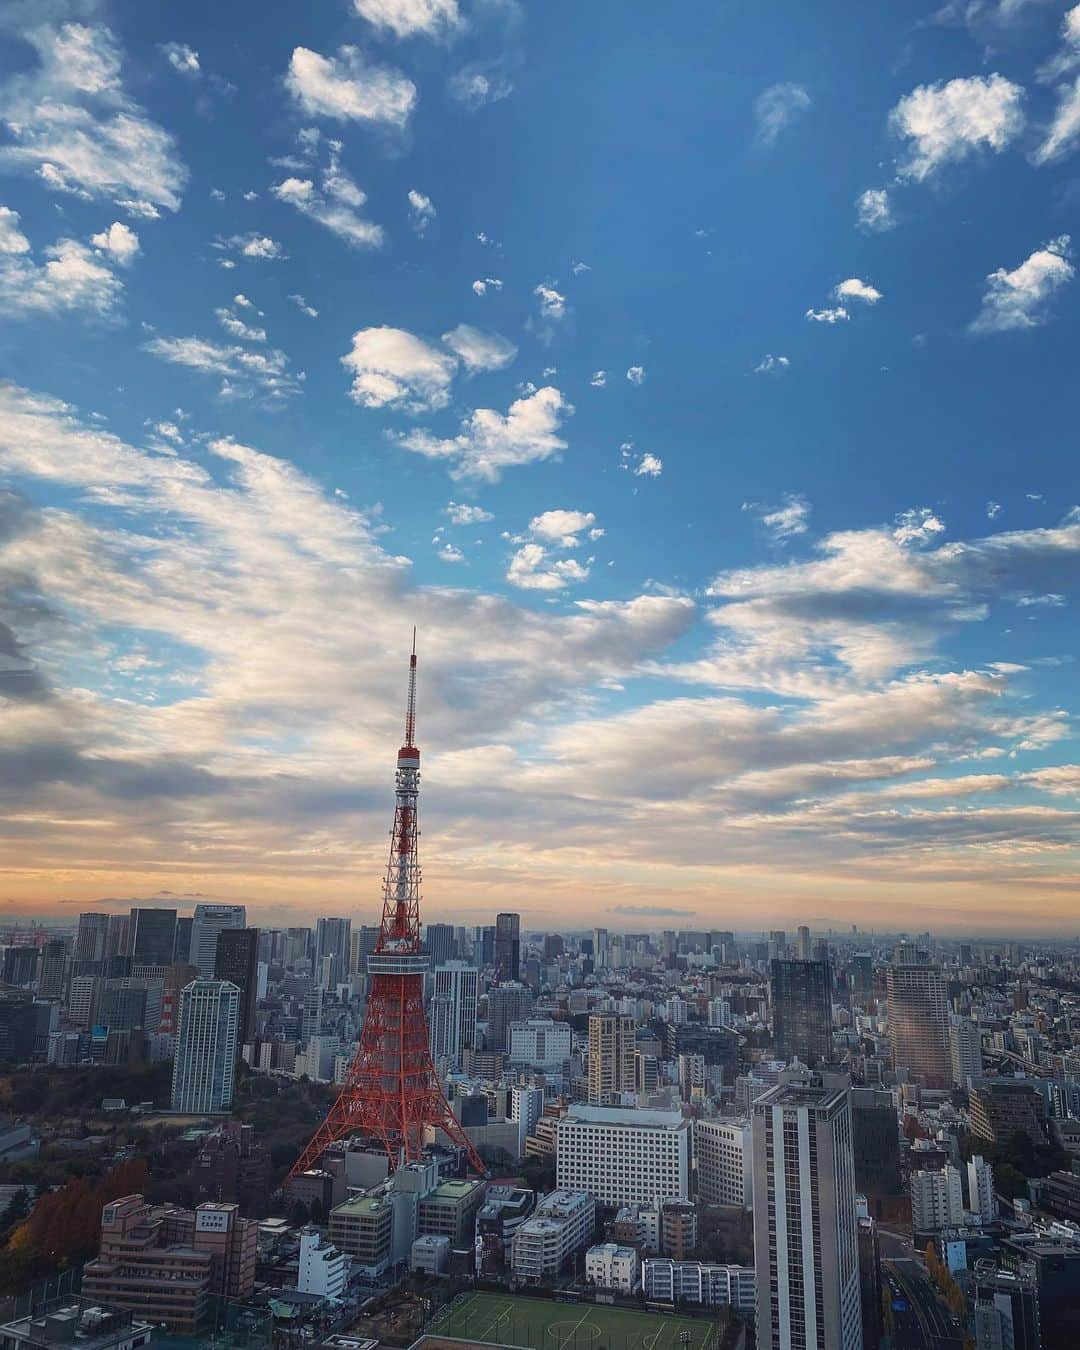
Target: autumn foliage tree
x: 65, y: 1225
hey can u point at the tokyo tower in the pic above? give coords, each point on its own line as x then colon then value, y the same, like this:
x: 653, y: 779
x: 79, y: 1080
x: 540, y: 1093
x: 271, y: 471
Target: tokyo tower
x: 392, y: 1093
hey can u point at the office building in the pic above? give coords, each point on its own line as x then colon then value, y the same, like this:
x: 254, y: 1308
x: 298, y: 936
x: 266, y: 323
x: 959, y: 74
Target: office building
x: 151, y: 936
x: 236, y: 960
x: 207, y: 922
x: 20, y: 966
x: 919, y: 1022
x: 876, y: 1135
x: 52, y: 971
x: 116, y: 936
x: 678, y: 1228
x: 805, y: 1243
x: 440, y: 944
x: 1000, y: 1109
x: 1006, y: 1311
x: 965, y: 1051
x: 90, y: 938
x: 207, y: 1045
x: 562, y: 1224
x: 803, y: 946
x: 526, y: 1108
x: 540, y: 1045
x: 182, y: 940
x: 723, y: 1162
x: 233, y: 1167
x: 323, y: 1270
x: 600, y: 948
x: 78, y: 1322
x: 449, y: 1210
x: 937, y: 1200
x: 612, y: 1047
x: 870, y: 1284
x: 623, y: 1157
x: 801, y: 993
x: 610, y: 1266
x: 981, y: 1199
x: 484, y: 947
x: 333, y: 951
x: 363, y: 1228
x: 713, y: 1286
x: 83, y: 994
x: 507, y: 947
x: 457, y: 985
x: 506, y: 1003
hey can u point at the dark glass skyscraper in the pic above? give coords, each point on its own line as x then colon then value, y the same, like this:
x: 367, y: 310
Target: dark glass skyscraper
x: 802, y: 1010
x: 507, y: 946
x: 151, y: 937
x: 237, y: 960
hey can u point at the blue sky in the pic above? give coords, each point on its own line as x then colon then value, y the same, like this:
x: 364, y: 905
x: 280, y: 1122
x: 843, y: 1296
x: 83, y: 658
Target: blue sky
x: 699, y: 379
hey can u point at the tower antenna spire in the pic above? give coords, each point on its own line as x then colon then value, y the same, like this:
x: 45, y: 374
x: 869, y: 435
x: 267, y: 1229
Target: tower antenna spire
x: 410, y: 707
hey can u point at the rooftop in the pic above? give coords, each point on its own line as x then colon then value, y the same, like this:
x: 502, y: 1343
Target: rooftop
x: 625, y: 1117
x: 362, y: 1206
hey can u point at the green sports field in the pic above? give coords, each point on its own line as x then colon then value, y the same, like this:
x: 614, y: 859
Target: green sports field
x: 506, y: 1320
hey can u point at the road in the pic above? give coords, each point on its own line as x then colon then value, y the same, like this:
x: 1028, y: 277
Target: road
x: 922, y: 1322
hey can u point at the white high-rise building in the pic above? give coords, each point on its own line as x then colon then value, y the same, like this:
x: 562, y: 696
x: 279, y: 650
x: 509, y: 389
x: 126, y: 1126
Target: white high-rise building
x: 540, y: 1045
x: 207, y: 923
x: 562, y: 1223
x: 526, y: 1108
x: 719, y: 1012
x: 937, y: 1200
x: 323, y: 1269
x: 965, y: 1049
x: 805, y: 1235
x: 457, y: 984
x: 723, y: 1162
x: 981, y: 1199
x: 624, y: 1157
x: 204, y: 1066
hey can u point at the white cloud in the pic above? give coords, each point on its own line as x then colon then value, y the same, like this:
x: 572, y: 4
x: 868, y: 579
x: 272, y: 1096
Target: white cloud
x: 335, y: 206
x: 1049, y: 601
x: 1064, y: 132
x: 836, y: 314
x: 237, y: 328
x: 479, y: 350
x: 993, y: 510
x: 303, y: 306
x: 1066, y: 60
x: 181, y: 57
x: 772, y: 365
x: 776, y: 108
x: 394, y: 368
x: 404, y: 18
x: 449, y: 554
x: 636, y: 374
x: 71, y: 122
x: 73, y: 277
x: 477, y: 85
x: 12, y: 239
x: 855, y: 289
x: 482, y: 286
x: 489, y: 442
x: 874, y: 210
x: 1021, y: 298
x: 532, y: 568
x: 946, y: 122
x: 461, y: 513
x: 598, y: 379
x: 552, y: 304
x: 421, y: 211
x: 561, y: 527
x: 648, y: 466
x: 257, y: 247
x: 120, y: 242
x: 919, y: 525
x: 787, y: 521
x: 242, y: 372
x: 348, y: 89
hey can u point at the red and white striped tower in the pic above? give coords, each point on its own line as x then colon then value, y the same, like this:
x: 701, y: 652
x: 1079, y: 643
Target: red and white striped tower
x: 392, y: 1092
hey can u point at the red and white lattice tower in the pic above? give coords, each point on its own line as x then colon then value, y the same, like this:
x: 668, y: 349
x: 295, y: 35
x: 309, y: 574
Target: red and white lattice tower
x: 392, y: 1093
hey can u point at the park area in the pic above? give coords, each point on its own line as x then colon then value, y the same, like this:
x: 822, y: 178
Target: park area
x: 540, y: 1324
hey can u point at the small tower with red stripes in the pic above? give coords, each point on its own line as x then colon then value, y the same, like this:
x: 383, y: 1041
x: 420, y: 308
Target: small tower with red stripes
x: 392, y: 1093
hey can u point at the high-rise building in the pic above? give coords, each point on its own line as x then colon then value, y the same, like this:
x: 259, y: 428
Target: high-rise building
x: 612, y: 1070
x: 90, y: 941
x: 624, y: 1156
x: 802, y: 1010
x: 777, y: 944
x: 600, y: 948
x: 151, y: 936
x: 540, y: 1045
x: 237, y: 960
x: 724, y: 1162
x: 965, y: 1051
x: 182, y: 940
x: 363, y: 944
x: 332, y: 951
x: 207, y: 922
x: 484, y: 946
x: 506, y: 1003
x: 507, y: 947
x: 937, y: 1200
x: 439, y: 941
x: 805, y: 1237
x: 52, y: 973
x: 981, y: 1198
x: 1006, y: 1309
x: 803, y: 946
x: 116, y: 935
x: 207, y: 1044
x: 919, y: 1022
x: 20, y: 965
x: 1000, y: 1108
x: 457, y: 983
x: 82, y: 1001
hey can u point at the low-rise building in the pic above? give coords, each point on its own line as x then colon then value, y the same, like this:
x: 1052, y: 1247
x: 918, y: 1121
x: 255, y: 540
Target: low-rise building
x: 610, y: 1266
x: 363, y: 1228
x: 450, y: 1210
x: 430, y: 1254
x: 697, y: 1282
x: 75, y: 1322
x: 562, y: 1225
x: 323, y: 1270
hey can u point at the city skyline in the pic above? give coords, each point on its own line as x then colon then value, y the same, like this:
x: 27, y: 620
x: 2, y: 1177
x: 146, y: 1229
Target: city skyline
x: 699, y: 404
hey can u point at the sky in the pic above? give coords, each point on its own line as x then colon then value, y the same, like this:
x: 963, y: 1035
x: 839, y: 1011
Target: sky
x: 694, y: 377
